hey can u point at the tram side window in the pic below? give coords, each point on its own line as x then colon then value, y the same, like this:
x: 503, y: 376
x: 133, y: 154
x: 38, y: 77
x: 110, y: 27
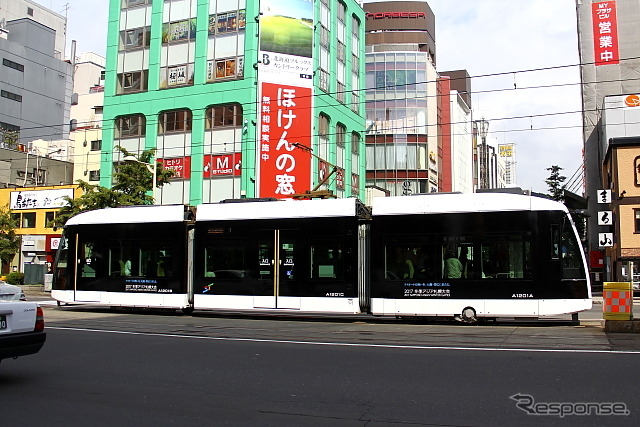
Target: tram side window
x: 225, y: 260
x: 156, y: 261
x: 506, y: 257
x: 122, y: 259
x: 412, y: 260
x: 90, y: 259
x: 140, y: 259
x: 327, y: 259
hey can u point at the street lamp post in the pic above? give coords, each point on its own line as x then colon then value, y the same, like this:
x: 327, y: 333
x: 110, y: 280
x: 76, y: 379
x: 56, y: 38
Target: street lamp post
x: 151, y: 167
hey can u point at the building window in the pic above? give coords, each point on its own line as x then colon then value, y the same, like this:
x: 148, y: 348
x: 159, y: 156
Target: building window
x: 323, y: 128
x: 133, y: 3
x: 133, y: 126
x: 342, y: 11
x: 355, y: 101
x: 355, y: 143
x: 225, y: 69
x: 324, y: 80
x: 96, y: 145
x: 10, y: 95
x: 223, y: 116
x: 94, y: 175
x: 324, y: 37
x: 341, y: 134
x: 135, y: 81
x: 135, y: 38
x: 340, y: 90
x: 174, y: 121
x: 323, y: 136
x: 177, y: 75
x: 49, y: 217
x: 30, y: 11
x: 11, y: 64
x: 227, y: 22
x: 178, y: 32
x: 28, y: 220
x: 226, y: 44
x: 636, y: 220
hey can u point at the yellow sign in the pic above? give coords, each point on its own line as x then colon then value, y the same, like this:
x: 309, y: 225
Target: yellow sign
x: 506, y: 150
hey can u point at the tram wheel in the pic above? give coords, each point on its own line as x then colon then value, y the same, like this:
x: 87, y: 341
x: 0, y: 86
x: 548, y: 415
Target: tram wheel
x: 468, y: 315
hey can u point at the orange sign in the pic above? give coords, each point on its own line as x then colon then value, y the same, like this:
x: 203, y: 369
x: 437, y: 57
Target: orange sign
x: 632, y: 101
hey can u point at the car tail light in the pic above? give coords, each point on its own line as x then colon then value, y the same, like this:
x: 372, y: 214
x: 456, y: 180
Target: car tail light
x: 39, y: 320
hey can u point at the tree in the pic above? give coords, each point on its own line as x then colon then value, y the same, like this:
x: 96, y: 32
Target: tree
x: 132, y: 182
x: 556, y: 189
x: 9, y: 240
x: 556, y: 183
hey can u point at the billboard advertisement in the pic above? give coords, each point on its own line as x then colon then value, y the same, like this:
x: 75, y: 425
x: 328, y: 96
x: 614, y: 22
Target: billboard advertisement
x: 286, y: 98
x: 286, y: 41
x: 285, y: 135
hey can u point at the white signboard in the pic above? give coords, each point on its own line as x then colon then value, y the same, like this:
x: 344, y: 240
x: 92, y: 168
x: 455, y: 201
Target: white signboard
x: 605, y: 240
x: 604, y: 196
x: 605, y: 218
x: 178, y: 75
x: 55, y: 243
x: 40, y: 199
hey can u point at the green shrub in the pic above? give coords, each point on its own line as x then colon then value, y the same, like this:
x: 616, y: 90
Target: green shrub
x: 15, y: 278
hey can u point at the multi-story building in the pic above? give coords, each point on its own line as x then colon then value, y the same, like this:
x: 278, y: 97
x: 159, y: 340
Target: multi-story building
x: 35, y: 90
x: 86, y: 112
x: 419, y: 137
x: 235, y: 96
x: 609, y: 44
x: 455, y: 134
x: 35, y: 85
x: 402, y: 101
x: 17, y: 9
x: 621, y: 175
x: 34, y: 209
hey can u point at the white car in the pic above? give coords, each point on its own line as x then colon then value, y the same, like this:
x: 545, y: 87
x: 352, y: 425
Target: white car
x: 21, y: 329
x: 11, y: 293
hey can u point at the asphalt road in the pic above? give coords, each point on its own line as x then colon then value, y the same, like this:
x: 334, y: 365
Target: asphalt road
x: 103, y: 367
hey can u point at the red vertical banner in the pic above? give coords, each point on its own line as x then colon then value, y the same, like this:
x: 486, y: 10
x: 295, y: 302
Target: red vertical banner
x: 605, y: 33
x: 285, y: 140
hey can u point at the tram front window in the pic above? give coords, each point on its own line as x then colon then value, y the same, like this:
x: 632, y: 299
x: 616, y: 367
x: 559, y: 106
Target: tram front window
x: 571, y: 256
x: 61, y: 265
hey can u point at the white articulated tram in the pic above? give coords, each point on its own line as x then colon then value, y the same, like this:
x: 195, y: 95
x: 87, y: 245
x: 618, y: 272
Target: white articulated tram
x: 482, y: 255
x: 467, y: 255
x: 134, y: 256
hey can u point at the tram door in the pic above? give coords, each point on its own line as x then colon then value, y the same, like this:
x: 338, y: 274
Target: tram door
x: 277, y: 257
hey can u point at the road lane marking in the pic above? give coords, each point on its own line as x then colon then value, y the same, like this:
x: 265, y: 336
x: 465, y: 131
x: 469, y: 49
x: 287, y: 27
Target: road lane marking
x: 339, y: 344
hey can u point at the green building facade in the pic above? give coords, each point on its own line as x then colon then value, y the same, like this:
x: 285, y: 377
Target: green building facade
x: 233, y: 94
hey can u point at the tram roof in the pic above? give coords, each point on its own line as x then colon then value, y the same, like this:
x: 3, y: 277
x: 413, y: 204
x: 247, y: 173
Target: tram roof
x: 462, y: 203
x: 316, y: 208
x: 130, y: 215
